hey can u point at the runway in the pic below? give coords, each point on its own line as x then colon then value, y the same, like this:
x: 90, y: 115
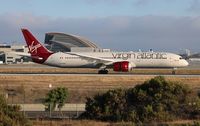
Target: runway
x: 41, y: 70
x: 101, y: 75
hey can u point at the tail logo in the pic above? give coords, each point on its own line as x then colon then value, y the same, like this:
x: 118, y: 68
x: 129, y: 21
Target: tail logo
x: 33, y: 48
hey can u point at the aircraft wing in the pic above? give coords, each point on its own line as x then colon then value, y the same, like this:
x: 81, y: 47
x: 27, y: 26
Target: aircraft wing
x: 27, y: 55
x: 22, y: 54
x: 96, y: 60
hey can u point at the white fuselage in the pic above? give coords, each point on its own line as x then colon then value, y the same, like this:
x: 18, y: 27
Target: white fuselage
x: 137, y: 59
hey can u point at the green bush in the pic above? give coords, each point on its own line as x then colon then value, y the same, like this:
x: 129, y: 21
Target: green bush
x: 10, y: 115
x: 158, y: 97
x: 109, y: 106
x: 154, y: 100
x: 57, y: 96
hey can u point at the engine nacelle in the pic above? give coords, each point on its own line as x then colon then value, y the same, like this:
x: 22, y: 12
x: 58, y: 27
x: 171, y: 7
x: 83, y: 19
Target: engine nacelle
x: 123, y: 66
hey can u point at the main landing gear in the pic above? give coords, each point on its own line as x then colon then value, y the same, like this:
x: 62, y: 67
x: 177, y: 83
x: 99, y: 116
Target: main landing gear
x: 174, y: 71
x: 103, y: 71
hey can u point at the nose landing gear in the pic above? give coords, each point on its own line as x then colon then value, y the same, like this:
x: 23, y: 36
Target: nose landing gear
x: 174, y: 71
x: 103, y: 71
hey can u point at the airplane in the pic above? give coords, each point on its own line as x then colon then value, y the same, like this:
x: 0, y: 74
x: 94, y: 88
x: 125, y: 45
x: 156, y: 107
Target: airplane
x: 118, y: 61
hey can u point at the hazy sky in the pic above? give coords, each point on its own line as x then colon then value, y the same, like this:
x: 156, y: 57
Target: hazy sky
x: 163, y: 25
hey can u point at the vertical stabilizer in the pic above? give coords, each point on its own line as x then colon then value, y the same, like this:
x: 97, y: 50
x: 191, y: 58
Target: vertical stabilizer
x: 39, y: 53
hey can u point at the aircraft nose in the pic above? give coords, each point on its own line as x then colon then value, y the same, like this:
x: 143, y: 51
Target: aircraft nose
x: 185, y: 63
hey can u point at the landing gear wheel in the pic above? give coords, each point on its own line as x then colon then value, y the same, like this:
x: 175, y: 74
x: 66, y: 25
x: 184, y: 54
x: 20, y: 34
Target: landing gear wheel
x: 174, y: 71
x: 103, y: 72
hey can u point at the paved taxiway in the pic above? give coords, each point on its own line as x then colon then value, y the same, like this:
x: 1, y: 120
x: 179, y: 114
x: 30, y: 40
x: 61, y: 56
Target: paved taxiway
x: 103, y: 75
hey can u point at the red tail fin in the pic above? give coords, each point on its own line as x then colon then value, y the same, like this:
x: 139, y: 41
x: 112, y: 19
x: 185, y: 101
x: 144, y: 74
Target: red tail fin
x: 39, y: 53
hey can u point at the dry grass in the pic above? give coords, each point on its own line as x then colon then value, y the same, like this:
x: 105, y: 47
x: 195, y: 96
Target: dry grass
x: 36, y: 86
x: 70, y: 123
x: 79, y: 87
x: 98, y: 123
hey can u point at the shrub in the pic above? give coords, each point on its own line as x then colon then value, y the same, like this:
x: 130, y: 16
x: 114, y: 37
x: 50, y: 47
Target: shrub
x: 154, y: 100
x: 10, y: 114
x: 57, y: 96
x: 109, y: 106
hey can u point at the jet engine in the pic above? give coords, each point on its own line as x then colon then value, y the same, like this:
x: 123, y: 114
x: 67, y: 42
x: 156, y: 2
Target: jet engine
x: 123, y: 66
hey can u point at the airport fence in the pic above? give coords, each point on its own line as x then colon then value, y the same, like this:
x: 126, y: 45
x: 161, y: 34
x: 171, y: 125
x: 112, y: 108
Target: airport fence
x: 37, y: 111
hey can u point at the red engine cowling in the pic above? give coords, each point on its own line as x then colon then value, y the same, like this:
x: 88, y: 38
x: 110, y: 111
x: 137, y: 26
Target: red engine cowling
x: 123, y: 66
